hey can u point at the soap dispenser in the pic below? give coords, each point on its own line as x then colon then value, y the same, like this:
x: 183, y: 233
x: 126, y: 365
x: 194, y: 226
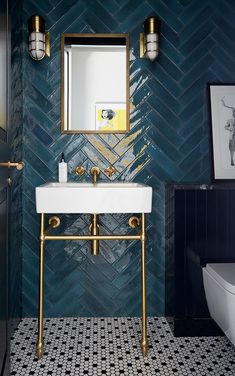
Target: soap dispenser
x: 63, y: 170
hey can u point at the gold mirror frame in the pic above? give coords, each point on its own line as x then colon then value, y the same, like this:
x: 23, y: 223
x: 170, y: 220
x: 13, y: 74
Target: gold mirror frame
x: 126, y: 37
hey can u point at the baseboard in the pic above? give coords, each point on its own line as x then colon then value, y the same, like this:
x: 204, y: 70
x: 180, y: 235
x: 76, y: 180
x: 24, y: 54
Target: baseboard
x: 194, y: 327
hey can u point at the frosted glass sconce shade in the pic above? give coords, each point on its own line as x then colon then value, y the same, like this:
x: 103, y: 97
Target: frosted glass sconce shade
x: 149, y: 40
x: 39, y: 40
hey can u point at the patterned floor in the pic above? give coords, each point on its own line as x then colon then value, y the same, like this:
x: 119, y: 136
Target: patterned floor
x: 110, y: 346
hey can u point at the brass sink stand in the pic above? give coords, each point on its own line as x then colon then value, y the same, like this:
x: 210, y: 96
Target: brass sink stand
x: 94, y: 237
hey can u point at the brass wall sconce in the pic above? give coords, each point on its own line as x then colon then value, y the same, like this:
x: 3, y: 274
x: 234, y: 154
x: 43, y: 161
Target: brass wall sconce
x: 149, y: 39
x: 39, y: 39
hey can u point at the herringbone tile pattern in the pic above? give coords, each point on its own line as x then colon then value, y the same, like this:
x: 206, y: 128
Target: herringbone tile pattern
x: 168, y: 142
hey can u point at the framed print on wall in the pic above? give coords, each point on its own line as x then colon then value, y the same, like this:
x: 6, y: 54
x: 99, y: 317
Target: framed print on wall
x: 222, y: 109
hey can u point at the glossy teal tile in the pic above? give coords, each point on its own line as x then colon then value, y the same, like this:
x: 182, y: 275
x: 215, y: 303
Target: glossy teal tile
x: 168, y: 141
x: 100, y: 11
x: 192, y: 141
x: 192, y: 10
x: 136, y: 17
x: 197, y: 53
x: 164, y: 11
x: 196, y: 23
x: 75, y: 23
x: 95, y: 23
x: 126, y: 10
x: 60, y: 9
x: 167, y: 147
x: 197, y: 37
x: 171, y: 51
x: 188, y: 111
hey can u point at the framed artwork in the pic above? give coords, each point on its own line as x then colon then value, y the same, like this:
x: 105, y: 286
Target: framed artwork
x: 222, y: 110
x: 110, y: 116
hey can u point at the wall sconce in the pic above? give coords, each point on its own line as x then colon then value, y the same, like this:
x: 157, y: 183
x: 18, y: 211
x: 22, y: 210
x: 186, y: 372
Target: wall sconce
x: 39, y: 40
x: 149, y: 39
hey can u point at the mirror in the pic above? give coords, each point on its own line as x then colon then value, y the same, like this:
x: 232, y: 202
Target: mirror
x: 95, y: 83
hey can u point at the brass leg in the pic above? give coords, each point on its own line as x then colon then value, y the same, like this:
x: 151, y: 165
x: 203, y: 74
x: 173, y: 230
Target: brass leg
x: 40, y: 306
x: 94, y: 228
x: 144, y: 339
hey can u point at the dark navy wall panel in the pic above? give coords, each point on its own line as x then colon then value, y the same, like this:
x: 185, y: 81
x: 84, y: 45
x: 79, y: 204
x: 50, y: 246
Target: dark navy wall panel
x: 168, y: 142
x: 202, y: 233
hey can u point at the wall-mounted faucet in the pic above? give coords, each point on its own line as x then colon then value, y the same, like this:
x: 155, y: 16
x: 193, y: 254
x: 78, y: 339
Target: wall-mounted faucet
x: 95, y: 171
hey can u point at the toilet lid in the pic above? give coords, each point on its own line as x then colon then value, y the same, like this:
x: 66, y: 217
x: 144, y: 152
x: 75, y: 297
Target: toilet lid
x: 224, y: 274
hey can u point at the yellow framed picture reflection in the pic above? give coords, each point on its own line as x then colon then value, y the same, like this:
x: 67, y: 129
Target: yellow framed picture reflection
x: 110, y: 116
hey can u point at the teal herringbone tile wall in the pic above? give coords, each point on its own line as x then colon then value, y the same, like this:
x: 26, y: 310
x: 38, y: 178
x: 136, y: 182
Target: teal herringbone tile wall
x: 168, y: 141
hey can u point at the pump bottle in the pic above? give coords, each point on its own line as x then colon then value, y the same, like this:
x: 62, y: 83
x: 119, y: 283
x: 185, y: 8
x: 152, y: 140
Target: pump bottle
x: 63, y: 170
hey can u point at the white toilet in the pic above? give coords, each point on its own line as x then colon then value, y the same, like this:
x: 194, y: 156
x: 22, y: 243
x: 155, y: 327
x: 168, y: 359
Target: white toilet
x: 219, y: 284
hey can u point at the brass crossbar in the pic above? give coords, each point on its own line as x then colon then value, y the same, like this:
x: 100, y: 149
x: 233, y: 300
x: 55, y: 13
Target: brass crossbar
x: 44, y: 237
x: 92, y: 237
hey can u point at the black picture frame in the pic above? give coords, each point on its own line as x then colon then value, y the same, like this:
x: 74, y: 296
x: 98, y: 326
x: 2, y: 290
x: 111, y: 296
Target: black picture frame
x: 221, y: 99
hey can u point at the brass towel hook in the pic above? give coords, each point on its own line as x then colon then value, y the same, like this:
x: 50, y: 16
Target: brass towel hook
x: 18, y: 165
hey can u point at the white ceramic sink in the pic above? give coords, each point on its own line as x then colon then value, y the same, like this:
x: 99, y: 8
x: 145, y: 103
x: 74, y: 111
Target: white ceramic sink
x: 94, y: 198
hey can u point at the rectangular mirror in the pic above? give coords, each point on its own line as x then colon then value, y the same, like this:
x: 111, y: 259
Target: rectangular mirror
x: 95, y: 83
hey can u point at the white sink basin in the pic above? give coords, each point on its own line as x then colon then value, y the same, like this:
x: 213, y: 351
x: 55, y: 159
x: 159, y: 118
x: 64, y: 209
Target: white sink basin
x: 94, y: 198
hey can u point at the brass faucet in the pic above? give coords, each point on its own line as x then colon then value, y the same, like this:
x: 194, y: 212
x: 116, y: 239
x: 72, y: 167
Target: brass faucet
x: 95, y: 171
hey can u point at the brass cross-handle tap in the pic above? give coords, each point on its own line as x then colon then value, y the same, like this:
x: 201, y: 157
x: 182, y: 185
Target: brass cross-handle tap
x: 80, y: 170
x: 18, y: 165
x: 110, y: 171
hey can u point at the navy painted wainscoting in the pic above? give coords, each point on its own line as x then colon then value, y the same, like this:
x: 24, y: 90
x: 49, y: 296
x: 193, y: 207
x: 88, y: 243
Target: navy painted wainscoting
x: 168, y: 141
x: 199, y: 230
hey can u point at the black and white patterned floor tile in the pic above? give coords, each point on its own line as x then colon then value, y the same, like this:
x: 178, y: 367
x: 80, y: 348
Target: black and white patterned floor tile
x: 110, y: 346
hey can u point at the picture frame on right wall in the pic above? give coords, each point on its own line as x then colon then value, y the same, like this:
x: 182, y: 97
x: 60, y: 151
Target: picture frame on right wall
x: 222, y: 114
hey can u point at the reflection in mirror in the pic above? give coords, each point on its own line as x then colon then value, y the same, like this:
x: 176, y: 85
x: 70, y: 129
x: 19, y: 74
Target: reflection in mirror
x: 95, y: 83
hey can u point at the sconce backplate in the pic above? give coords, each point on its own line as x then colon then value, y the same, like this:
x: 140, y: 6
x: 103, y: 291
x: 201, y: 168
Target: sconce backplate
x: 47, y: 44
x: 142, y: 45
